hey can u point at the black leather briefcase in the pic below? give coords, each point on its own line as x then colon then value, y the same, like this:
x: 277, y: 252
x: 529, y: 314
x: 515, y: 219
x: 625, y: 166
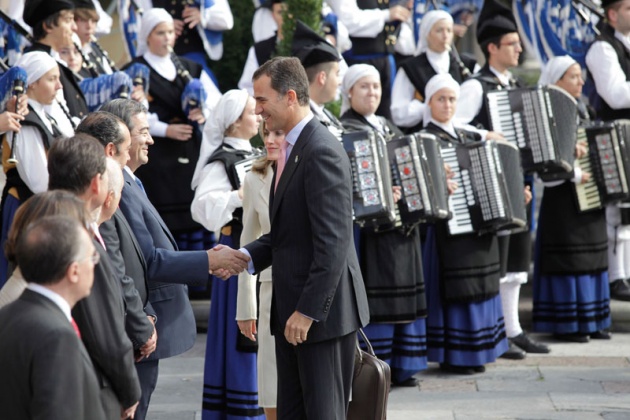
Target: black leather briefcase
x: 370, y: 388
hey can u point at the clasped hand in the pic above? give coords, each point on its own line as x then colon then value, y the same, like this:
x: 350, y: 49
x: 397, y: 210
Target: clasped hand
x: 225, y: 262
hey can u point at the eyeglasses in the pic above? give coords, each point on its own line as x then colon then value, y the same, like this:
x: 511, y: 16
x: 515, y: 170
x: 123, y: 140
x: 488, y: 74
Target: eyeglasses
x: 94, y: 258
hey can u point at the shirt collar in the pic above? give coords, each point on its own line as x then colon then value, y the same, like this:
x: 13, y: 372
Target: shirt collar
x: 130, y: 172
x: 56, y: 298
x: 504, y: 77
x: 439, y: 61
x: 449, y: 128
x: 163, y: 65
x: 295, y: 132
x: 238, y: 144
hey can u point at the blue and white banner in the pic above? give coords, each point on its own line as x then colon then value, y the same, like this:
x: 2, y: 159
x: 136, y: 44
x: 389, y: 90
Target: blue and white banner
x: 551, y: 28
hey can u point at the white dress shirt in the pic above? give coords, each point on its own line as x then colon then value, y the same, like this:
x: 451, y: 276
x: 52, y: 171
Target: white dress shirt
x: 610, y: 80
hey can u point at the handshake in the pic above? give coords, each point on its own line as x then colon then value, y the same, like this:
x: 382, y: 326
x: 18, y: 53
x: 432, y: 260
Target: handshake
x: 225, y: 262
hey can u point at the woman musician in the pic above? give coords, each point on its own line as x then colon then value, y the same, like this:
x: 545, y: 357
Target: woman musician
x: 29, y: 147
x: 390, y: 260
x: 170, y: 170
x: 465, y: 317
x: 434, y: 55
x: 571, y: 292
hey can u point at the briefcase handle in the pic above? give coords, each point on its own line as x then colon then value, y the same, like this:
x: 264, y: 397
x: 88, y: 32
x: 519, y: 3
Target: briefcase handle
x: 370, y: 350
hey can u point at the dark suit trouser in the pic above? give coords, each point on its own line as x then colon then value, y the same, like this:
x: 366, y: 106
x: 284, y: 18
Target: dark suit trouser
x: 148, y: 376
x: 315, y: 380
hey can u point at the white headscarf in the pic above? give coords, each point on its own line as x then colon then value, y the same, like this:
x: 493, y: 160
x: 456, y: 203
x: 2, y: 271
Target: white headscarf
x: 150, y: 19
x: 36, y: 64
x: 437, y: 82
x: 555, y: 69
x: 354, y: 73
x: 428, y: 20
x: 229, y: 108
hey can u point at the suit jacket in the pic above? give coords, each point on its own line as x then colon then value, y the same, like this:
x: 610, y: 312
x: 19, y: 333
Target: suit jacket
x: 39, y: 350
x: 168, y: 272
x: 101, y: 320
x: 315, y: 266
x: 129, y: 266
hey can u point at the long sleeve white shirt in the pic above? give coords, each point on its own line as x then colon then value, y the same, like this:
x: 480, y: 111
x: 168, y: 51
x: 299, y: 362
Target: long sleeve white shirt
x: 610, y: 80
x: 215, y: 200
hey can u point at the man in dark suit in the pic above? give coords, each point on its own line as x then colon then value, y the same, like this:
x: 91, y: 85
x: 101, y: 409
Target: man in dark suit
x: 39, y: 349
x: 168, y: 270
x: 77, y: 165
x: 319, y: 299
x: 120, y: 243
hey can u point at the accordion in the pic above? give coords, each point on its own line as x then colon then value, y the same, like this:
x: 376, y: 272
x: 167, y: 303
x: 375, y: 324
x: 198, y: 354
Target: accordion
x: 242, y: 167
x: 541, y: 122
x: 418, y: 167
x: 373, y: 198
x: 490, y: 194
x: 608, y: 161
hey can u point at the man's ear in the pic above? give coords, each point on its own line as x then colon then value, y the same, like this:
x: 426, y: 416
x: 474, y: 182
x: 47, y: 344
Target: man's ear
x: 292, y: 97
x: 492, y: 48
x: 110, y: 150
x: 321, y: 78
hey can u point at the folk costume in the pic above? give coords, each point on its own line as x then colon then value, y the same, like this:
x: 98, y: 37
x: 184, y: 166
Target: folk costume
x: 571, y: 294
x: 391, y: 266
x: 230, y: 382
x: 465, y: 326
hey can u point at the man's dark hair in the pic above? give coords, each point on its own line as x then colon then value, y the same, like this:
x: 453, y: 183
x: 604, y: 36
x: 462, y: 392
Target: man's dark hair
x: 313, y: 71
x: 286, y: 73
x: 125, y: 109
x: 73, y: 162
x: 47, y: 247
x: 104, y: 127
x: 484, y: 45
x: 50, y: 21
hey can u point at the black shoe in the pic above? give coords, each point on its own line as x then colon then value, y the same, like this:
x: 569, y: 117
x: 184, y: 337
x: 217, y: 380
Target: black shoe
x: 524, y: 341
x: 601, y: 335
x: 478, y: 369
x: 460, y: 370
x: 513, y: 353
x: 573, y: 338
x: 407, y: 383
x: 620, y: 290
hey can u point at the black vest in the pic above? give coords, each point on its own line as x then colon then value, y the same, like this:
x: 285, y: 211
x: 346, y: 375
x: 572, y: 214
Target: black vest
x: 419, y: 71
x: 489, y: 82
x: 189, y: 40
x: 604, y: 111
x: 265, y: 49
x: 229, y: 156
x: 385, y: 41
x: 172, y: 163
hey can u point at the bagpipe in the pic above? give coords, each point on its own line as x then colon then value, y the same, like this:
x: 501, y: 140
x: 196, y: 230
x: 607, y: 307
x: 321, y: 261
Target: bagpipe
x: 552, y: 28
x: 102, y: 89
x: 194, y: 94
x: 12, y: 83
x: 129, y: 16
x: 16, y: 37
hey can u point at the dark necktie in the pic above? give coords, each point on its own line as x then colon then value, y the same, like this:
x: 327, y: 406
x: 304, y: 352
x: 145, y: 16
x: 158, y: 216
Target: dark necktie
x: 140, y: 185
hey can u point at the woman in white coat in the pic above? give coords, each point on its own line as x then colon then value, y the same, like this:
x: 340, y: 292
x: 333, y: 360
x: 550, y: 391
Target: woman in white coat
x: 256, y: 188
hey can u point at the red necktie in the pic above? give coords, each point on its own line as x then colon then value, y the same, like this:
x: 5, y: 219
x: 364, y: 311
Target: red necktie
x: 282, y: 160
x: 76, y: 327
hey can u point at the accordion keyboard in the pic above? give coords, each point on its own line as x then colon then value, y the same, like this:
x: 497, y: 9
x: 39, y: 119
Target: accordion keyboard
x: 587, y: 193
x: 462, y: 198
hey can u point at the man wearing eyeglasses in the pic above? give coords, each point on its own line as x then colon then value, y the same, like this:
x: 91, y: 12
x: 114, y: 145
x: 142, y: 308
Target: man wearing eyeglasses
x: 78, y: 165
x: 39, y: 348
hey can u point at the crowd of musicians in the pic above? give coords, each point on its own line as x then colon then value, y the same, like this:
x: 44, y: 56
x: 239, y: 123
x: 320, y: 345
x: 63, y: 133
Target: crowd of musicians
x: 156, y: 160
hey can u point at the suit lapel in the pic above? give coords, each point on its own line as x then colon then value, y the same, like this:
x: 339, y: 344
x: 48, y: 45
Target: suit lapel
x: 141, y: 195
x: 122, y: 220
x: 293, y: 161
